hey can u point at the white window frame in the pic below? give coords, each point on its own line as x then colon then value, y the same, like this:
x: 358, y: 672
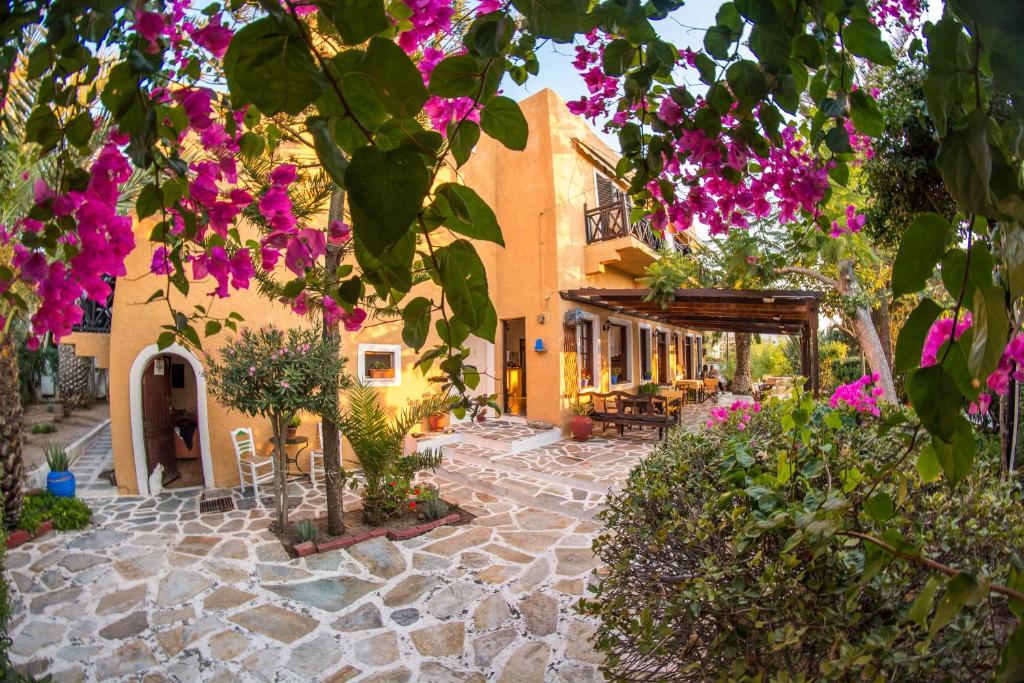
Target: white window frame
x: 650, y: 352
x: 395, y: 349
x: 628, y: 351
x: 595, y: 371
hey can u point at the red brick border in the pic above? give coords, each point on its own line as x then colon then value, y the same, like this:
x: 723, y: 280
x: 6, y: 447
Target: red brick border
x: 304, y: 549
x: 20, y: 536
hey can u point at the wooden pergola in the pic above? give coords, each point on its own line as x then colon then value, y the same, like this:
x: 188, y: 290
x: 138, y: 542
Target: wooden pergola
x: 767, y: 311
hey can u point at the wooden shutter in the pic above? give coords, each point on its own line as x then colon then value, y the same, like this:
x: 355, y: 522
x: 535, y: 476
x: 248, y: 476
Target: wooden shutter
x: 571, y: 377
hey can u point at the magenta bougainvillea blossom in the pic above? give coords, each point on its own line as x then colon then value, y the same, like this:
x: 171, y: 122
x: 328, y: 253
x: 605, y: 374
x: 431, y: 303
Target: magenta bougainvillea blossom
x: 853, y: 224
x: 861, y: 395
x: 906, y: 13
x: 744, y: 409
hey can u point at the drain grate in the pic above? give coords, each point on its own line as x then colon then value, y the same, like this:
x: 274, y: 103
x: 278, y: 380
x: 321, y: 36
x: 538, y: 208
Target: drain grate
x: 225, y: 504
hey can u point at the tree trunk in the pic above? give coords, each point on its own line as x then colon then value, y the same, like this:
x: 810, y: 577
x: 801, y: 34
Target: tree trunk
x: 12, y: 474
x: 863, y: 326
x: 333, y: 472
x: 741, y: 378
x: 74, y: 379
x: 883, y: 327
x: 280, y: 427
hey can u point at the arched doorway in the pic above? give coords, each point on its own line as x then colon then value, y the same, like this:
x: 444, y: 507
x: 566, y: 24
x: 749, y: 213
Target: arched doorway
x: 169, y: 419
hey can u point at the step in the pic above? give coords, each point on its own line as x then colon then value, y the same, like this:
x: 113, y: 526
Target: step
x: 522, y: 486
x: 458, y: 455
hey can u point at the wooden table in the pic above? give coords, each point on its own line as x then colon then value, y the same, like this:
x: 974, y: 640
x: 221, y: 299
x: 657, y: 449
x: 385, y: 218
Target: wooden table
x: 691, y: 385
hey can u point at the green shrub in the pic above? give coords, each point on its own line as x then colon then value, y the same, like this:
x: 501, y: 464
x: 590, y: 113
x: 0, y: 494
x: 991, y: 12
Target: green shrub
x: 67, y: 514
x: 308, y: 530
x: 729, y: 555
x: 429, y: 502
x: 648, y: 388
x: 44, y: 428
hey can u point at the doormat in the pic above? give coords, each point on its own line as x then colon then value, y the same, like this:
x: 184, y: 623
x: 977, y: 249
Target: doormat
x: 225, y: 504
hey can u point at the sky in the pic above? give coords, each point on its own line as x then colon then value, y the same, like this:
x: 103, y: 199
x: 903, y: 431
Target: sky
x: 685, y: 28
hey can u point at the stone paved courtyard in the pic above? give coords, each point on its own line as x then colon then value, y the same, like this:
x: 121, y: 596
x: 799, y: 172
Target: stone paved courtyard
x: 154, y: 591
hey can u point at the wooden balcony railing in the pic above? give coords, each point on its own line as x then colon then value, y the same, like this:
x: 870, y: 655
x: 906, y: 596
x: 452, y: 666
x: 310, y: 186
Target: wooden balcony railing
x: 611, y: 221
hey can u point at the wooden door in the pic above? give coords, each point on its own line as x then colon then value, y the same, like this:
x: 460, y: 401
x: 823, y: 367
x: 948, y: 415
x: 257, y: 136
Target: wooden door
x: 662, y: 358
x: 157, y: 422
x: 688, y: 345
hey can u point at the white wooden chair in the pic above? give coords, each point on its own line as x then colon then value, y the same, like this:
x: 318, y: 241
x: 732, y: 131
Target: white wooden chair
x: 316, y: 455
x: 252, y: 467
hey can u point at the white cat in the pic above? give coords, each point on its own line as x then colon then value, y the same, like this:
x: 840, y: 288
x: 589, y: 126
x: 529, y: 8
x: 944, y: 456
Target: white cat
x: 156, y: 480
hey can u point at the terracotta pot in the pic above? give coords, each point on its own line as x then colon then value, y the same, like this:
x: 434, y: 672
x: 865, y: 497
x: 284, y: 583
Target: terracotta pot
x: 388, y: 374
x: 290, y: 434
x: 482, y: 417
x: 582, y: 426
x: 377, y: 374
x: 436, y: 422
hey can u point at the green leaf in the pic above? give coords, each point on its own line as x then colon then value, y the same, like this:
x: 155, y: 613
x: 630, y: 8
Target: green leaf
x: 464, y: 280
x: 864, y: 39
x: 556, y: 19
x: 43, y: 127
x: 165, y: 340
x: 149, y: 201
x: 880, y: 506
x: 991, y: 330
x: 212, y: 328
x: 462, y: 138
x: 416, y: 322
x: 922, y: 605
x: 618, y: 57
x: 961, y: 590
x: 865, y: 114
x: 910, y: 342
x: 956, y: 458
x: 717, y: 41
x: 80, y: 129
x: 467, y: 214
x: 356, y: 20
x: 503, y: 120
x: 923, y: 244
x: 954, y: 275
x: 386, y: 191
x: 1011, y: 663
x: 392, y: 77
x: 928, y: 467
x: 965, y: 162
x: 327, y: 150
x: 807, y: 49
x: 457, y: 76
x: 747, y: 82
x: 1013, y: 257
x: 267, y: 64
x: 838, y: 140
x: 771, y: 44
x: 935, y: 398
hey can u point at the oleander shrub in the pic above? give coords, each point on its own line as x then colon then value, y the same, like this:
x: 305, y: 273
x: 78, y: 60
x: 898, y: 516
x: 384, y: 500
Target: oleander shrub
x: 43, y: 428
x: 732, y: 554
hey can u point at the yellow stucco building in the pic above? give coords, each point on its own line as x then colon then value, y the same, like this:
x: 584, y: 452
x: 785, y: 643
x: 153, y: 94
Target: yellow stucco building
x: 565, y: 225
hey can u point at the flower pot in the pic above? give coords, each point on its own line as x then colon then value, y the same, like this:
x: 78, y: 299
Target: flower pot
x: 377, y: 374
x: 436, y: 422
x: 61, y: 484
x: 582, y: 426
x: 388, y: 374
x: 290, y: 434
x: 482, y: 417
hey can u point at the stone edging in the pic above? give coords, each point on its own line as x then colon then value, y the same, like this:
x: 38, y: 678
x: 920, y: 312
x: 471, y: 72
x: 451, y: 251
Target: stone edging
x: 310, y: 548
x: 20, y: 536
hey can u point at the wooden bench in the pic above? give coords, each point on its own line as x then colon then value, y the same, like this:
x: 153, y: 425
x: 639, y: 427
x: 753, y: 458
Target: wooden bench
x: 634, y: 410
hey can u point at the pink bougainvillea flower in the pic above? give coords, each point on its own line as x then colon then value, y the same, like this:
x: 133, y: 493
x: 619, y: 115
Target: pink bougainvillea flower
x: 214, y: 37
x: 354, y: 321
x: 150, y: 26
x: 339, y: 232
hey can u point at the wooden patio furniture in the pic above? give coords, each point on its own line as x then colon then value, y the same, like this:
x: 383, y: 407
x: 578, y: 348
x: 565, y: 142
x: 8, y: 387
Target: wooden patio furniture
x: 623, y: 410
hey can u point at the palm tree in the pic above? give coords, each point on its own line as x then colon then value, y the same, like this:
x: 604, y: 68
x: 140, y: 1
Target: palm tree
x: 378, y: 442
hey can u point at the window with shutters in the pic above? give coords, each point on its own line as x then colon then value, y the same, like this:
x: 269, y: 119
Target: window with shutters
x: 586, y: 354
x: 619, y: 348
x: 645, y: 354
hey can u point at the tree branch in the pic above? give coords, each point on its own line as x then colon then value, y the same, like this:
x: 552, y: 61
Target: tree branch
x: 813, y: 274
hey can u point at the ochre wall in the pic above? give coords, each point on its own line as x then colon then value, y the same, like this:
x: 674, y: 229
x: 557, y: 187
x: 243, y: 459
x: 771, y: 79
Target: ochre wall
x: 538, y: 196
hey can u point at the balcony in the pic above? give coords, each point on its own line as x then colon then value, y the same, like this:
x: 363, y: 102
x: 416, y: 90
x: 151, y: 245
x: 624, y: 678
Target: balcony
x: 614, y: 241
x: 96, y: 317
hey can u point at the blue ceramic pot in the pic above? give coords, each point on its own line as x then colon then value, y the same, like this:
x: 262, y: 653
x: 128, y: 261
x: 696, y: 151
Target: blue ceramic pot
x: 61, y: 484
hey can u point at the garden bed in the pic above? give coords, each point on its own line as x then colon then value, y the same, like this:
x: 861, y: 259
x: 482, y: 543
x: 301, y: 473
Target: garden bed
x: 20, y: 536
x: 406, y: 526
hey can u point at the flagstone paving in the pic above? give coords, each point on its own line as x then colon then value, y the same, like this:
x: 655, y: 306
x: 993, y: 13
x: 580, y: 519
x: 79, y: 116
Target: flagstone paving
x: 154, y: 591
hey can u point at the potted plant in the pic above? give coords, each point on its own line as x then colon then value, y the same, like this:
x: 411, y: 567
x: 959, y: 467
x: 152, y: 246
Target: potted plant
x: 293, y: 426
x: 378, y: 370
x: 478, y: 406
x: 582, y: 423
x: 60, y: 481
x: 436, y: 422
